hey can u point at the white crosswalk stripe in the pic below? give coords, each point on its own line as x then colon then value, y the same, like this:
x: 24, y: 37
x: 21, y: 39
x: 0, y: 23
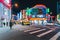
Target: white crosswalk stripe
x: 37, y: 31
x: 55, y: 36
x: 40, y: 35
x: 31, y: 29
x: 43, y: 32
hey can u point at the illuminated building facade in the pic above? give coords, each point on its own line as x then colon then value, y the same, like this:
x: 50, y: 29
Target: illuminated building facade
x: 38, y: 14
x: 19, y: 15
x: 24, y: 13
x: 58, y: 11
x: 5, y: 11
x: 58, y: 18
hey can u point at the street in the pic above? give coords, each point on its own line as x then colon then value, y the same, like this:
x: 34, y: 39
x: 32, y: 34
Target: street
x: 29, y: 19
x: 33, y: 33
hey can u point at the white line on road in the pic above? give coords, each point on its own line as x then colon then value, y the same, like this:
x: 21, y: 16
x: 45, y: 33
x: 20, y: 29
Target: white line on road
x: 31, y: 29
x: 40, y: 35
x: 55, y: 36
x: 37, y: 31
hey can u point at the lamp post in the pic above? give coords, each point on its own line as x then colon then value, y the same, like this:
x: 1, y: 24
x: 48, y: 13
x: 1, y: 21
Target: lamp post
x: 14, y: 5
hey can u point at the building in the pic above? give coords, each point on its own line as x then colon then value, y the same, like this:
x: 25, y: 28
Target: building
x: 58, y: 12
x: 5, y: 11
x: 58, y: 18
x: 58, y: 7
x: 19, y: 15
x: 39, y: 14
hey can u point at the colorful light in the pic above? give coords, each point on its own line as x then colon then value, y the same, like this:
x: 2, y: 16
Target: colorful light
x: 47, y: 10
x: 58, y: 18
x: 16, y: 5
x: 7, y: 3
x: 28, y: 12
x: 41, y: 6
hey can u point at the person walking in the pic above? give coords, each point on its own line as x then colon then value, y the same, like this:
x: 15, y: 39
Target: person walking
x: 12, y: 22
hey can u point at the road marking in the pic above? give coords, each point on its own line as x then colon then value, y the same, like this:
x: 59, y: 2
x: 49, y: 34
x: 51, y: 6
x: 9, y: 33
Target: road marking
x: 55, y: 36
x: 37, y: 31
x: 40, y: 35
x: 31, y: 29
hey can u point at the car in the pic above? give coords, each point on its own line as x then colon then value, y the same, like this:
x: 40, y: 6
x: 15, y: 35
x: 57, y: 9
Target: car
x: 25, y: 23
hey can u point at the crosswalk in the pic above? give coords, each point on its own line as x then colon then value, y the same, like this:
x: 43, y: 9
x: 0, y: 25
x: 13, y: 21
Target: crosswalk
x: 43, y: 33
x: 55, y: 36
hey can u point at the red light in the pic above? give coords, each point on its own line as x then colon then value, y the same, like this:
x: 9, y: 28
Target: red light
x: 40, y: 5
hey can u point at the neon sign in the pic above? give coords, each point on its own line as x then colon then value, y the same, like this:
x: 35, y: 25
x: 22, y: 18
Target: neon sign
x: 6, y: 3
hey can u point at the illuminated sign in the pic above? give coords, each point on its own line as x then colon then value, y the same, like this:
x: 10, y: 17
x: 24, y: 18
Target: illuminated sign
x: 40, y: 16
x: 6, y: 1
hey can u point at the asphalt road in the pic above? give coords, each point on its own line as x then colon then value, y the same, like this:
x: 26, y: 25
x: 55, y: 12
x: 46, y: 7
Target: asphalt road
x: 40, y: 33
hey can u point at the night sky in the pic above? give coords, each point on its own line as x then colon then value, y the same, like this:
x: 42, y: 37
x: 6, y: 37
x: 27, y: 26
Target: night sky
x: 23, y: 4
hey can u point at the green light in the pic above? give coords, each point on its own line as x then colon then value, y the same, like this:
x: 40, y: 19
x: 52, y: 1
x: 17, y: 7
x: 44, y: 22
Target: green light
x: 28, y: 8
x: 47, y: 10
x: 28, y: 12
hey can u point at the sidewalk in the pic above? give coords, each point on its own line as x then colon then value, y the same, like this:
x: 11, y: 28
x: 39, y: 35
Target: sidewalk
x: 4, y: 29
x: 20, y: 27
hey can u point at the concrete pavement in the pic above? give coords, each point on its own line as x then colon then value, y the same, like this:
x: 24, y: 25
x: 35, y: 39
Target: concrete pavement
x: 29, y: 33
x: 4, y: 29
x: 20, y: 27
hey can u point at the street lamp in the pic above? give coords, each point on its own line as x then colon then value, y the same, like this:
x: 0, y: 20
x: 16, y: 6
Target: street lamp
x: 13, y: 5
x: 16, y: 5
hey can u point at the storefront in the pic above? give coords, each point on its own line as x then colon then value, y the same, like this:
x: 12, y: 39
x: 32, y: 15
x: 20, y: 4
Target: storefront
x: 58, y: 18
x: 5, y: 12
x: 39, y: 15
x: 38, y: 20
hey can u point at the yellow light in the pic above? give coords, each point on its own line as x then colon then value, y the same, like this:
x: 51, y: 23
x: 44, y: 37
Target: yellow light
x: 16, y: 5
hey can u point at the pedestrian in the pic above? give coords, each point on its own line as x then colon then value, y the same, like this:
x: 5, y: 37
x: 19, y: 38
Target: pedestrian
x: 11, y: 24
